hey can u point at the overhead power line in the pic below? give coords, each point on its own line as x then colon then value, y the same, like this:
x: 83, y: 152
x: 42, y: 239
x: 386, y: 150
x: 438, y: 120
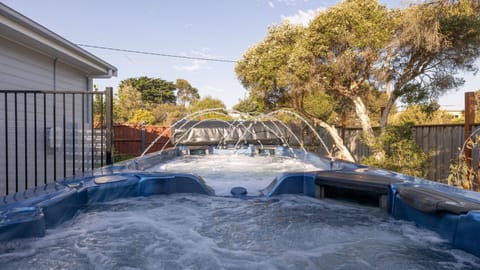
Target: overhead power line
x: 159, y: 54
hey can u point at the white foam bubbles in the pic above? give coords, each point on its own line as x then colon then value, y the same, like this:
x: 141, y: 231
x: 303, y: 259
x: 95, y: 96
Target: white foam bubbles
x: 186, y: 231
x: 223, y: 172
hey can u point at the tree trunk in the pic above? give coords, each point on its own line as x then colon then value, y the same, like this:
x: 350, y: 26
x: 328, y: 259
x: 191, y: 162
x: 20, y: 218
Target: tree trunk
x: 344, y: 152
x: 332, y: 131
x: 370, y: 140
x: 362, y: 115
x: 388, y: 107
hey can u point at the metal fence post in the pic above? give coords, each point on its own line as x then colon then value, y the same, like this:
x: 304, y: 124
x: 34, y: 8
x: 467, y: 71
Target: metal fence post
x: 109, y: 124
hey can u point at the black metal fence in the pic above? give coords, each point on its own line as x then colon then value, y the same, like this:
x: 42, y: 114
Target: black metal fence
x: 51, y: 135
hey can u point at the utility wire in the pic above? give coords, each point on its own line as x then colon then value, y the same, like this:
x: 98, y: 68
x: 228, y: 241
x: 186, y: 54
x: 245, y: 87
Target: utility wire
x: 159, y: 54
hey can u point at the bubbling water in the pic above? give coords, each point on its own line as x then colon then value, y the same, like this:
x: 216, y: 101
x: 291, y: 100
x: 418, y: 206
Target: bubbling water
x: 223, y: 172
x: 185, y: 231
x: 192, y: 231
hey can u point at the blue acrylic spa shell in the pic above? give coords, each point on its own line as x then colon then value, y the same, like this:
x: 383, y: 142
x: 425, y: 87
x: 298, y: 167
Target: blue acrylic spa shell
x: 451, y: 212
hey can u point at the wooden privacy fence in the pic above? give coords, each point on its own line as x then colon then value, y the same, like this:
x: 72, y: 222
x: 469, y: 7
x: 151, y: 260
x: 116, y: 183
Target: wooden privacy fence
x: 441, y: 141
x: 128, y: 139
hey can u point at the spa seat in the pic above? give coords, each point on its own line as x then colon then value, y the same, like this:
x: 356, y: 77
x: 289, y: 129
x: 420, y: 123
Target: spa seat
x: 433, y: 201
x: 355, y: 181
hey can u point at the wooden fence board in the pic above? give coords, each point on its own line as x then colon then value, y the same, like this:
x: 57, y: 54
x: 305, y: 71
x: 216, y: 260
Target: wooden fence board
x: 128, y: 139
x: 442, y: 141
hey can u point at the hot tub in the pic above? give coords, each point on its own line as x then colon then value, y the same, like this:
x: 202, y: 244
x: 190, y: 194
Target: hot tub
x: 176, y: 209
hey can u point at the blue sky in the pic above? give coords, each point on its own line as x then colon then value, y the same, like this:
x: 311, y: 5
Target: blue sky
x: 214, y: 29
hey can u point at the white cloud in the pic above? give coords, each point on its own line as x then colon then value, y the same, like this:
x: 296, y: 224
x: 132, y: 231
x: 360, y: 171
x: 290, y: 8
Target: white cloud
x: 196, y: 64
x: 288, y: 2
x: 303, y: 17
x: 291, y: 2
x: 271, y: 3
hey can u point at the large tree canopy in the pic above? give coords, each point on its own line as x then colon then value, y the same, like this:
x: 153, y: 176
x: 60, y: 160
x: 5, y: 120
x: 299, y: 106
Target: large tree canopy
x: 358, y: 52
x: 207, y: 103
x: 153, y: 90
x: 434, y: 42
x: 137, y: 96
x: 345, y: 43
x: 263, y: 69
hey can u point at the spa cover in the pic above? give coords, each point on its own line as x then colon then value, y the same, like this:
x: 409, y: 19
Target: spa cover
x: 215, y: 132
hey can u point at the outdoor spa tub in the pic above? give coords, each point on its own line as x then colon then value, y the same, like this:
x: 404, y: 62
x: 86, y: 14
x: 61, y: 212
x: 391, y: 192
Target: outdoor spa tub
x: 243, y: 207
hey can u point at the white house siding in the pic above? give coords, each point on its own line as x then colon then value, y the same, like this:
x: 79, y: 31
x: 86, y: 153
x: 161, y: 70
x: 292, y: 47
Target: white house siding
x: 22, y: 68
x: 68, y: 78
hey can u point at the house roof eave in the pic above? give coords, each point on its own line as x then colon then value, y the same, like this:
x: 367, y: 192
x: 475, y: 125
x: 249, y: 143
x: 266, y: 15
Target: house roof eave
x: 18, y: 28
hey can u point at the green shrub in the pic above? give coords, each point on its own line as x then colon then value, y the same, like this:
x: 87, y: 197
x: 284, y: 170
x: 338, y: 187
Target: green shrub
x: 401, y: 152
x: 141, y: 116
x: 461, y: 172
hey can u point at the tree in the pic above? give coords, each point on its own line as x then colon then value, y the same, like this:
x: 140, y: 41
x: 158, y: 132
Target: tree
x: 359, y: 51
x: 151, y: 94
x: 277, y: 73
x: 345, y: 43
x: 421, y: 115
x: 433, y: 43
x: 167, y: 114
x: 247, y: 105
x: 186, y: 93
x: 127, y: 102
x: 263, y: 68
x: 99, y: 107
x: 209, y: 102
x: 153, y: 90
x: 477, y: 107
x: 142, y: 116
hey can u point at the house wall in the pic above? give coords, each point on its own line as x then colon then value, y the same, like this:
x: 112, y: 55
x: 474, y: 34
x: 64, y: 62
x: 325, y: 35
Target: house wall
x: 23, y: 68
x: 26, y: 69
x: 22, y: 142
x: 68, y: 78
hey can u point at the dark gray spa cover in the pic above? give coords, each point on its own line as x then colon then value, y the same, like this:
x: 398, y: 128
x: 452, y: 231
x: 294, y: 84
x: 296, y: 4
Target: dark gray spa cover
x: 214, y: 132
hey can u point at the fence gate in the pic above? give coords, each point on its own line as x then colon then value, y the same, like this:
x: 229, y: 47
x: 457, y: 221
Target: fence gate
x: 46, y: 136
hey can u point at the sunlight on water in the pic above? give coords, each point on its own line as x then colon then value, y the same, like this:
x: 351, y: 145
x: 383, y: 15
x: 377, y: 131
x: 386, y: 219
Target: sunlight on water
x: 198, y: 232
